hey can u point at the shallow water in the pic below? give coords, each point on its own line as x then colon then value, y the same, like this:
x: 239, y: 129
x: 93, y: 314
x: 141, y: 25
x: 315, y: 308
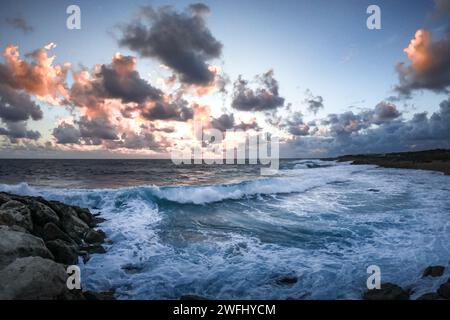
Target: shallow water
x: 225, y: 233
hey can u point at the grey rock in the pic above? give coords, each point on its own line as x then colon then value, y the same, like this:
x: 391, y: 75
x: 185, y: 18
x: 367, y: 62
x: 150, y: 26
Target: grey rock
x: 15, y: 213
x: 41, y: 213
x: 52, y: 232
x: 93, y: 236
x: 63, y: 252
x: 433, y: 271
x: 4, y: 198
x: 15, y: 244
x: 74, y: 226
x: 32, y: 278
x: 388, y: 291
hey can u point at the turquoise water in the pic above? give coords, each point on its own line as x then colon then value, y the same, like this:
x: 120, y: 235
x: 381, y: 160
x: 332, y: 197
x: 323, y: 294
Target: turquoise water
x: 227, y: 233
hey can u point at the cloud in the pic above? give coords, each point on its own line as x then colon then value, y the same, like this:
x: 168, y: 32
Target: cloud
x: 180, y: 40
x: 18, y: 130
x: 66, y: 133
x: 20, y: 24
x: 227, y: 122
x: 430, y: 64
x: 314, y: 103
x: 442, y: 7
x: 265, y: 98
x: 17, y: 106
x: 93, y: 131
x: 39, y: 77
x: 350, y: 133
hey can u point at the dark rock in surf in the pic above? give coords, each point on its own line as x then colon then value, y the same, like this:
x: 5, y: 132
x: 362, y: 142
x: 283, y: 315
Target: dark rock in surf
x: 433, y: 271
x: 388, y: 291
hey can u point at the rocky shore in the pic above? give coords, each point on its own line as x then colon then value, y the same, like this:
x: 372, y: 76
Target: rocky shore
x: 39, y: 239
x: 435, y: 160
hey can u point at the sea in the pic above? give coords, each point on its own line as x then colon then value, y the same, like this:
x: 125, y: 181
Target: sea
x: 226, y: 232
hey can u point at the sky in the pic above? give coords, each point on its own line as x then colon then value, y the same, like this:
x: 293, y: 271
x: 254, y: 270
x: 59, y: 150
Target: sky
x: 137, y: 75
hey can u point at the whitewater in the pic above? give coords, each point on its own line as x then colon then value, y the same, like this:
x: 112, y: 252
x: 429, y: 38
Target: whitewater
x: 322, y: 222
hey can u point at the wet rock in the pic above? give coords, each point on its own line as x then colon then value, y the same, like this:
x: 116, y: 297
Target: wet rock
x: 430, y: 296
x: 192, y: 297
x: 70, y: 223
x: 32, y: 278
x: 444, y: 290
x: 96, y: 248
x: 388, y: 291
x: 286, y: 280
x: 93, y: 236
x: 4, y: 198
x: 15, y: 244
x: 84, y: 214
x: 98, y: 220
x: 373, y: 190
x: 52, y: 232
x: 40, y: 213
x: 63, y: 252
x: 433, y: 271
x: 15, y: 213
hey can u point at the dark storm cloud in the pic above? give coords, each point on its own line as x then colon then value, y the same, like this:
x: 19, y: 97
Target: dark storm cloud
x: 20, y: 24
x: 180, y: 40
x: 118, y: 80
x: 314, y: 103
x: 265, y: 98
x: 430, y: 64
x: 442, y: 7
x: 95, y: 130
x: 18, y: 130
x: 227, y: 122
x: 385, y: 111
x: 178, y: 110
x: 66, y: 134
x: 17, y: 106
x: 350, y: 133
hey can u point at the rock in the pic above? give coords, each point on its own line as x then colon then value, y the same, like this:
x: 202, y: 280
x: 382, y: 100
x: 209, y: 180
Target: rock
x: 32, y: 278
x: 96, y: 248
x: 444, y: 290
x: 40, y: 213
x: 287, y: 280
x: 93, y: 236
x: 98, y: 220
x: 52, y: 232
x: 84, y: 214
x: 192, y: 297
x: 15, y: 244
x: 74, y: 226
x: 85, y: 255
x: 4, y: 198
x: 430, y: 296
x: 373, y: 190
x: 106, y: 295
x: 63, y: 252
x: 15, y: 213
x: 388, y: 291
x: 434, y: 271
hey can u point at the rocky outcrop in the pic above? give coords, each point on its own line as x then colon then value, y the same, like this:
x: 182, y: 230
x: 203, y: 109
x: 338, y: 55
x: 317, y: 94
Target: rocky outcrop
x: 38, y: 240
x: 388, y: 291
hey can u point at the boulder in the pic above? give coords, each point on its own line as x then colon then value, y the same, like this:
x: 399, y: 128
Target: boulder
x: 41, y: 213
x: 63, y: 252
x: 388, y: 291
x: 433, y: 271
x: 15, y: 213
x: 444, y: 290
x: 70, y: 223
x: 84, y: 214
x: 93, y: 236
x: 15, y: 244
x: 4, y: 198
x: 52, y: 232
x: 32, y: 278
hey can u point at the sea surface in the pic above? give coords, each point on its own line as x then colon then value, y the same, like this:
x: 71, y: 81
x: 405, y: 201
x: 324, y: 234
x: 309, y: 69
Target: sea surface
x: 225, y: 232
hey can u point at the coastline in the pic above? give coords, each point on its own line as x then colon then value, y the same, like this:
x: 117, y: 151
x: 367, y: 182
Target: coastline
x: 39, y: 239
x: 433, y: 160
